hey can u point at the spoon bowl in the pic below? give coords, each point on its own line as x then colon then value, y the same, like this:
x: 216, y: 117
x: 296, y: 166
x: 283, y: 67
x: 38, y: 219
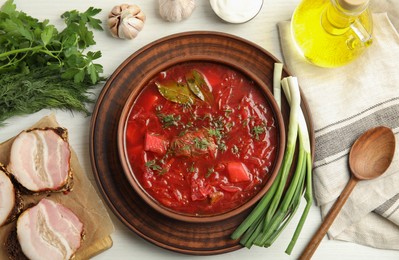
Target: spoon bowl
x: 372, y: 153
x: 370, y: 156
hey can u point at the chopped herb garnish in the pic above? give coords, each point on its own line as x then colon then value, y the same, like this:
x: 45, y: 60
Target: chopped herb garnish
x: 153, y: 165
x: 216, y: 132
x: 162, y: 172
x: 156, y: 167
x: 207, y: 116
x: 201, y: 143
x: 222, y: 146
x: 186, y: 147
x: 188, y: 125
x: 209, y: 172
x: 235, y: 149
x: 169, y: 120
x: 257, y: 130
x: 227, y: 112
x: 192, y: 168
x: 229, y: 126
x: 183, y: 132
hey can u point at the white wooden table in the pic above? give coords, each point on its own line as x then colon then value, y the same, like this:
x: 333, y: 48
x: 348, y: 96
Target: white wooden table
x: 261, y: 30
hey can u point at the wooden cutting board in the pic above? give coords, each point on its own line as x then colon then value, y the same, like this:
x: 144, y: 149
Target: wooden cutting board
x: 96, y: 248
x: 83, y: 200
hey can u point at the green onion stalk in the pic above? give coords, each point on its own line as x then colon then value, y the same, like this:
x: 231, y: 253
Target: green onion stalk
x: 276, y: 209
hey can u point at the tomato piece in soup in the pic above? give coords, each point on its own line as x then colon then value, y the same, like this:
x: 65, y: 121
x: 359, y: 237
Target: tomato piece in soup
x: 155, y: 143
x: 238, y: 172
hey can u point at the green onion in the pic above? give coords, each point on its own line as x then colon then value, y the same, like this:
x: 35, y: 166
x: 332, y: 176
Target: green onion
x: 304, y: 144
x: 278, y: 70
x: 276, y: 209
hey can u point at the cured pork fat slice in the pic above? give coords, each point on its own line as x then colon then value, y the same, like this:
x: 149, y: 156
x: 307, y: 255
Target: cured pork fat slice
x: 7, y: 198
x: 40, y: 160
x: 49, y: 230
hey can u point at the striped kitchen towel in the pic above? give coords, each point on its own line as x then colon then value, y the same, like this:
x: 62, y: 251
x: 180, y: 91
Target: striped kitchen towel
x: 345, y: 102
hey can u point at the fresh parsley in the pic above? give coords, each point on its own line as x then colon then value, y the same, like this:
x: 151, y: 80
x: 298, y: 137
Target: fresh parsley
x: 42, y: 67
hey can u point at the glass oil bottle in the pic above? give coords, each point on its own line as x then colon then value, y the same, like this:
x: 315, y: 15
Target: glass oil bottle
x: 332, y: 33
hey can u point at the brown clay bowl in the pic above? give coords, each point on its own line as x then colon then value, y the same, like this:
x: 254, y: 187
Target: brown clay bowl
x: 134, y: 182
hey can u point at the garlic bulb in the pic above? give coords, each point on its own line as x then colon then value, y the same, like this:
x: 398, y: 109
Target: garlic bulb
x: 126, y: 21
x: 176, y: 10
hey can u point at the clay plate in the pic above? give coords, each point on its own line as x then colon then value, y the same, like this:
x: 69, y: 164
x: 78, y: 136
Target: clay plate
x: 183, y: 237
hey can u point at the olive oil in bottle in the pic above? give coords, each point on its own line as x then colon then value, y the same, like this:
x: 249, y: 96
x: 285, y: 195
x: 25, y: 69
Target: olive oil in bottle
x: 332, y: 33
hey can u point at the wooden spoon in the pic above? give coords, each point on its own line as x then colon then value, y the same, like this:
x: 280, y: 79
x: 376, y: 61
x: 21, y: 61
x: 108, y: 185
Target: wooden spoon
x: 369, y: 157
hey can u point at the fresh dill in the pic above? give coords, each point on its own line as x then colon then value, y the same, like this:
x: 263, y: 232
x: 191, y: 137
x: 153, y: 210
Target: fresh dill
x: 155, y: 167
x: 169, y: 120
x: 257, y: 130
x: 192, y: 168
x: 216, y: 132
x: 201, y: 143
x: 41, y: 67
x: 209, y: 172
x: 235, y: 149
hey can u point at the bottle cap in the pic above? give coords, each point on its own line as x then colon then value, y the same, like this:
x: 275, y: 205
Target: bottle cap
x: 353, y: 5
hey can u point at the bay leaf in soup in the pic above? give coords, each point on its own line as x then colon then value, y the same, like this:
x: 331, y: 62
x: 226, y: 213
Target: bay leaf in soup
x: 176, y: 92
x: 201, y: 85
x: 192, y: 84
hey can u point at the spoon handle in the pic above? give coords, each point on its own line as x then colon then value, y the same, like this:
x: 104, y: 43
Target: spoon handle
x: 329, y: 219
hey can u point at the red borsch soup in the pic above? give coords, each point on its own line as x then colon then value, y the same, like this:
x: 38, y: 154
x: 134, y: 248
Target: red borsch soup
x: 201, y: 138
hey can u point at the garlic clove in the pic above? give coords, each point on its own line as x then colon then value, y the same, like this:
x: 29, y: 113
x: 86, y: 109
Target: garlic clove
x: 126, y: 21
x: 236, y: 11
x: 176, y: 10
